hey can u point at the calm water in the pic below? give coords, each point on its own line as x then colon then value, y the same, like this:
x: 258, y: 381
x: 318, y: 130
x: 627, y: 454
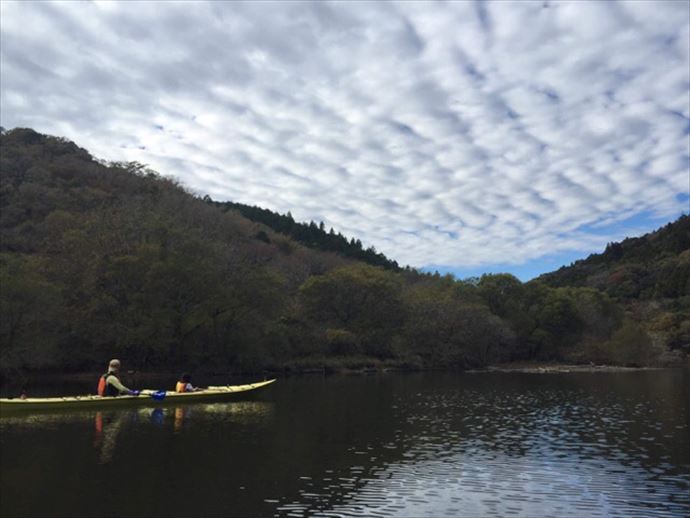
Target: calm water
x: 614, y: 444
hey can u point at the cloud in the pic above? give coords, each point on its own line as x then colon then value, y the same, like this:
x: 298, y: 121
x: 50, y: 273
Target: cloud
x: 455, y: 134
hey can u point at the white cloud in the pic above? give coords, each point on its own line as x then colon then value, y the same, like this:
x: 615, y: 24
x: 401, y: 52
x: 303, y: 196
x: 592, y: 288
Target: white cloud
x: 456, y: 134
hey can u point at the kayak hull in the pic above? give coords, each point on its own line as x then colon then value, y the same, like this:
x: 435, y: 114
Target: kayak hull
x: 219, y: 393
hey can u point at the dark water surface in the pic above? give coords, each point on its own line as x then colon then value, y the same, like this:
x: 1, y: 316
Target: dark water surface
x: 414, y: 445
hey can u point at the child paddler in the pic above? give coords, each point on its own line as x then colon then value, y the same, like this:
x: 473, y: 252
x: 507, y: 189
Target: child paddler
x: 184, y: 384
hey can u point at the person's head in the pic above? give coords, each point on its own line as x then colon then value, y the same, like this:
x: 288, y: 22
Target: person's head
x: 114, y: 365
x: 186, y: 378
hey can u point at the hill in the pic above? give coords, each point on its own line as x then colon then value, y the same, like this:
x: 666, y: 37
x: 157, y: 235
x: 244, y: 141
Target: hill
x: 310, y: 234
x: 654, y: 266
x: 648, y: 275
x: 114, y: 259
x: 101, y: 260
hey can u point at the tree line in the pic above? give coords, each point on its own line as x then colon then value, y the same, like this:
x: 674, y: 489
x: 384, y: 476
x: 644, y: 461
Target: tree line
x: 309, y: 234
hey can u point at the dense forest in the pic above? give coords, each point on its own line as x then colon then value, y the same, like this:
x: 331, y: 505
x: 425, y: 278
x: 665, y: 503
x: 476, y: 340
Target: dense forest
x: 112, y: 259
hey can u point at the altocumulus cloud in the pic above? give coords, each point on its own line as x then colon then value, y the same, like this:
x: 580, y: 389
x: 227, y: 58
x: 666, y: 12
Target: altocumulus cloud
x: 456, y: 134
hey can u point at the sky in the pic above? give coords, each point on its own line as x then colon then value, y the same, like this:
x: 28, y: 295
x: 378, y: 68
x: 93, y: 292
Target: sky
x: 464, y: 137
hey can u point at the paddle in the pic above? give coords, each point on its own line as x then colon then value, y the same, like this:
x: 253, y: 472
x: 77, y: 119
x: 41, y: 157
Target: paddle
x: 158, y: 395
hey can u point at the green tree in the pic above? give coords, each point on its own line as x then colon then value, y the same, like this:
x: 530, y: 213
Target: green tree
x: 361, y: 299
x: 629, y: 345
x: 502, y: 292
x: 30, y: 317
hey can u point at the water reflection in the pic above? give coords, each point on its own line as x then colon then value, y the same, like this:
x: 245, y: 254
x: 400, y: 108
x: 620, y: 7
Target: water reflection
x: 107, y: 426
x: 470, y: 480
x: 179, y: 417
x: 241, y: 411
x: 526, y: 446
x: 479, y: 483
x: 418, y: 445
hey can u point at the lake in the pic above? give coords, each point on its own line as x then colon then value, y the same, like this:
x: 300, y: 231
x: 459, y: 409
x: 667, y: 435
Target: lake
x: 408, y: 445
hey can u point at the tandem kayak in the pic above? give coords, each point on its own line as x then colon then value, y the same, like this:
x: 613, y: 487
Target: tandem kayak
x: 145, y: 398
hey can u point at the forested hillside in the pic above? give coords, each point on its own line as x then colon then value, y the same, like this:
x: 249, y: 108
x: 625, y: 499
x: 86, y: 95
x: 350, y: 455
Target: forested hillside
x: 656, y: 265
x: 310, y: 234
x: 112, y: 259
x: 649, y: 276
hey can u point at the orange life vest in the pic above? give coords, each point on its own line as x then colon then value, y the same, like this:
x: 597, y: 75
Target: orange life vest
x: 104, y: 388
x: 181, y: 386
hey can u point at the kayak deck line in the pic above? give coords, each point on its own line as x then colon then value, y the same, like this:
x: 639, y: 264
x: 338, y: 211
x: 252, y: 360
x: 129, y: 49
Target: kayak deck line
x: 145, y: 398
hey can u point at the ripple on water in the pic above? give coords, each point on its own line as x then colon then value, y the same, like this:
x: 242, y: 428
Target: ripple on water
x: 534, y: 454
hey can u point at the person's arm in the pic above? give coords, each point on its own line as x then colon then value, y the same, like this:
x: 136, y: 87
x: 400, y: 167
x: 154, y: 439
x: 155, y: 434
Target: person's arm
x: 191, y: 388
x: 115, y: 382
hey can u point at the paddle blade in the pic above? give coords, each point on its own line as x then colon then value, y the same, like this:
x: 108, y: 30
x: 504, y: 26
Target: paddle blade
x: 158, y: 395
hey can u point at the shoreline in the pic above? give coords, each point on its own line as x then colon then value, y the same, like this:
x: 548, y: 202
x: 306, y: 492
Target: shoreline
x: 513, y: 367
x: 561, y: 368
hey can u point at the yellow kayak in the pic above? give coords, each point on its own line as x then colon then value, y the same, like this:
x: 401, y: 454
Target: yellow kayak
x: 146, y: 397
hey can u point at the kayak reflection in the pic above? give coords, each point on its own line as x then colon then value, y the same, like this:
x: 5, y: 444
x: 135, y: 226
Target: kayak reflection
x: 108, y: 425
x: 111, y: 425
x: 180, y: 412
x: 241, y: 411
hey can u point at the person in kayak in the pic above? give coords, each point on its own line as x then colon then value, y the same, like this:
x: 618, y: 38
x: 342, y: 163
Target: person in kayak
x: 110, y: 384
x: 185, y: 385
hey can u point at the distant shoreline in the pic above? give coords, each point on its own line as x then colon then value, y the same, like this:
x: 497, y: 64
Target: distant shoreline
x: 560, y: 368
x: 133, y: 377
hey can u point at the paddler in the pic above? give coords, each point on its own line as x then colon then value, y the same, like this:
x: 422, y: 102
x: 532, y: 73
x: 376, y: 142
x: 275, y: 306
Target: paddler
x: 110, y: 384
x: 185, y: 384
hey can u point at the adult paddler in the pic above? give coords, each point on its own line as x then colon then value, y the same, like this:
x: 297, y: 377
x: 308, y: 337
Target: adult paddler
x: 110, y: 384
